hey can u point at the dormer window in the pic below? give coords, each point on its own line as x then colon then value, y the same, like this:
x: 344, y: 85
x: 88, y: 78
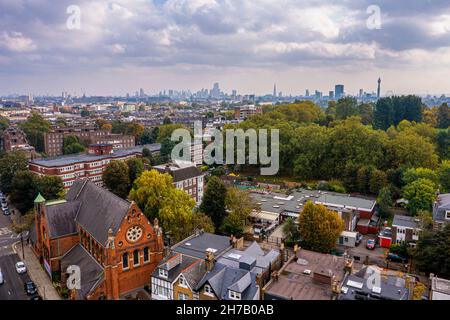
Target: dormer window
x: 447, y: 215
x: 208, y: 290
x: 233, y: 295
x: 163, y: 273
x: 182, y: 281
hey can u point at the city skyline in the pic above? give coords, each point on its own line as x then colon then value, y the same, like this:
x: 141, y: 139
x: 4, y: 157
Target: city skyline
x: 120, y: 45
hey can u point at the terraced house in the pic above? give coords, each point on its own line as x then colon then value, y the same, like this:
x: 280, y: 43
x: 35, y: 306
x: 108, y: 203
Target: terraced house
x: 108, y: 238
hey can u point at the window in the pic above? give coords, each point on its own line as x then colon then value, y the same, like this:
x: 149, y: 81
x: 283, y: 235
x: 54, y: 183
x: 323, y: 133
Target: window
x: 136, y: 257
x: 447, y: 214
x: 208, y: 290
x: 146, y: 255
x: 163, y: 273
x: 182, y: 281
x: 182, y: 296
x: 234, y: 295
x: 125, y: 261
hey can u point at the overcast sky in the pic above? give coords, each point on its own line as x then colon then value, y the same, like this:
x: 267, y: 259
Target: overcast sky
x: 248, y: 45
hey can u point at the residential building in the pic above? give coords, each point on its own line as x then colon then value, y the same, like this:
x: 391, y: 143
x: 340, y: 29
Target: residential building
x: 54, y: 140
x: 359, y: 286
x: 440, y: 288
x: 107, y: 237
x: 186, y: 176
x: 307, y: 275
x: 15, y: 139
x: 243, y: 112
x: 405, y: 229
x: 189, y: 254
x: 91, y: 165
x: 441, y: 211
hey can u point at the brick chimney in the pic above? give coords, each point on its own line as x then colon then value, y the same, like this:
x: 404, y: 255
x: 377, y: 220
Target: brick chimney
x: 209, y: 260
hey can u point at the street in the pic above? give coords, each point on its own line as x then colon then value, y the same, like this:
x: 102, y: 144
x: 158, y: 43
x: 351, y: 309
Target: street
x: 13, y: 288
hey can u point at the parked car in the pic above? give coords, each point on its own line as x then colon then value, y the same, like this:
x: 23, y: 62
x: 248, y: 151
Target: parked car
x: 6, y: 212
x: 396, y: 258
x: 36, y: 297
x: 20, y: 267
x: 370, y: 244
x: 2, y: 280
x: 359, y: 238
x: 30, y: 288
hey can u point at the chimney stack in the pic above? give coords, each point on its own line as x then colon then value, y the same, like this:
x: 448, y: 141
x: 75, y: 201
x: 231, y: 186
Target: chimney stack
x: 209, y: 260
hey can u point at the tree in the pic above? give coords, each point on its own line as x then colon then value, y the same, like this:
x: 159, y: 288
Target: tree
x: 34, y: 128
x: 443, y: 116
x: 156, y: 195
x: 50, y: 187
x: 213, y: 204
x: 72, y: 145
x: 116, y: 178
x: 135, y: 168
x: 166, y: 147
x: 432, y: 253
x: 4, y: 124
x: 420, y: 194
x: 346, y: 107
x: 365, y: 111
x: 384, y: 200
x: 443, y: 143
x: 239, y: 207
x: 10, y: 164
x: 85, y: 113
x: 290, y: 231
x: 319, y: 227
x: 412, y: 174
x: 23, y: 190
x: 383, y: 115
x: 444, y: 175
x: 149, y: 135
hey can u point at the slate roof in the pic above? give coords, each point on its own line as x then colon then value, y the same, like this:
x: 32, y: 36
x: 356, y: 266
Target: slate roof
x: 223, y: 278
x: 252, y: 256
x: 194, y: 273
x: 61, y: 218
x: 180, y: 174
x: 196, y: 245
x: 173, y: 273
x: 347, y: 201
x: 441, y: 206
x: 92, y: 272
x: 99, y: 209
x: 405, y: 221
x: 391, y: 287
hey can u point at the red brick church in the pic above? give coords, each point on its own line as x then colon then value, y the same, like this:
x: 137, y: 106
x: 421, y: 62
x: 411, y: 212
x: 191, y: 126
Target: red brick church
x: 108, y: 238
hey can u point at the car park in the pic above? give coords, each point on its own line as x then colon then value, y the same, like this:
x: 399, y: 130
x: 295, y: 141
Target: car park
x: 396, y: 258
x: 370, y: 244
x: 20, y: 267
x: 30, y: 288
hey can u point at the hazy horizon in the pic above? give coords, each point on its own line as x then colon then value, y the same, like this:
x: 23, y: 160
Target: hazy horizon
x: 123, y: 45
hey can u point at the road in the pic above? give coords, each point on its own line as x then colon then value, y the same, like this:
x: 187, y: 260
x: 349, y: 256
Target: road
x: 13, y: 288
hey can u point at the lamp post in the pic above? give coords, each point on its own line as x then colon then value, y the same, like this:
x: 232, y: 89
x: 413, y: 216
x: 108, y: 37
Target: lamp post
x: 21, y: 241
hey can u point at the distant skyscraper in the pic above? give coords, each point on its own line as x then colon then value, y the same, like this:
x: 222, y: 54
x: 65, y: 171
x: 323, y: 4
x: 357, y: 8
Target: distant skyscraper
x: 307, y: 93
x: 339, y: 91
x: 361, y: 92
x: 141, y: 93
x: 379, y: 88
x: 274, y: 90
x: 331, y: 95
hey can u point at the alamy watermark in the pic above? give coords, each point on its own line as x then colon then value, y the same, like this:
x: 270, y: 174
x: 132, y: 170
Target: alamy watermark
x: 74, y: 279
x: 260, y: 152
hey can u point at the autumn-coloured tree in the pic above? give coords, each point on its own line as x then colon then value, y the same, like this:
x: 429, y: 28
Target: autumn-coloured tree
x: 319, y: 227
x: 156, y: 195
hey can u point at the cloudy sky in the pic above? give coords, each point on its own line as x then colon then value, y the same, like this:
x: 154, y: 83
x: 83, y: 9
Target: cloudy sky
x: 123, y: 45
